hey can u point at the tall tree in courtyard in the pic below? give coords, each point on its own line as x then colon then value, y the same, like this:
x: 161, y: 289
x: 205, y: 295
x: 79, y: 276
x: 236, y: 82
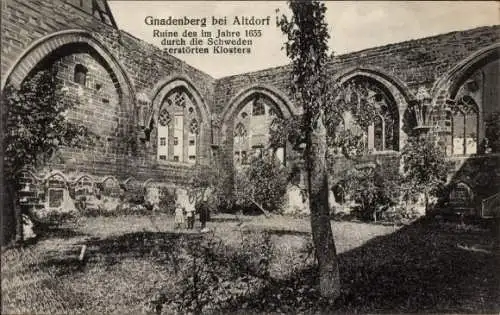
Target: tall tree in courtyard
x: 307, y: 48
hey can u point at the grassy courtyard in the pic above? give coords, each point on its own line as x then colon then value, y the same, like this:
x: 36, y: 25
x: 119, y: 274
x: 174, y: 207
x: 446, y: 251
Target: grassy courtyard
x: 424, y: 267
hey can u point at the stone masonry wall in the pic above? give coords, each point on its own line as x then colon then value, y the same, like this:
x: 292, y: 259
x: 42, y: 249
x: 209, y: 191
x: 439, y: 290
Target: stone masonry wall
x: 25, y: 22
x: 412, y: 63
x: 406, y: 65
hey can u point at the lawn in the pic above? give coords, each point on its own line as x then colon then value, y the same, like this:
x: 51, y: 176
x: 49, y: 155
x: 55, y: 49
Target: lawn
x: 425, y: 267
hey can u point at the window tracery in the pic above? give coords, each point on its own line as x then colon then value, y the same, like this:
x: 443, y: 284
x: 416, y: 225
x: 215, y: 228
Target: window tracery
x: 178, y: 128
x: 252, y: 128
x: 382, y: 132
x: 464, y: 126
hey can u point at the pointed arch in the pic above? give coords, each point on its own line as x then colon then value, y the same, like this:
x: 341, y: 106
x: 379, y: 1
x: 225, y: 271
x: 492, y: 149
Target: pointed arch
x: 163, y: 87
x: 177, y: 98
x: 464, y: 104
x: 451, y: 81
x: 246, y: 120
x: 386, y: 132
x: 284, y: 105
x: 391, y: 82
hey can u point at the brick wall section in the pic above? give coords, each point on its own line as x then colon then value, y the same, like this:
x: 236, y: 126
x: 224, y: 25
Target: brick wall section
x: 24, y: 22
x: 415, y: 62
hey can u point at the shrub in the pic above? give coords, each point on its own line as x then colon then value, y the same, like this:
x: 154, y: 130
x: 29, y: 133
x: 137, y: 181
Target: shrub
x: 400, y: 214
x: 110, y: 207
x: 133, y: 196
x: 167, y: 200
x: 263, y: 181
x: 373, y: 191
x: 210, y: 184
x: 425, y: 167
x: 491, y: 142
x: 211, y: 276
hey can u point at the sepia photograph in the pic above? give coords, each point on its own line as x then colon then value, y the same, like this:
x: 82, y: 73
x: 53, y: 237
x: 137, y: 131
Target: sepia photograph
x: 250, y: 157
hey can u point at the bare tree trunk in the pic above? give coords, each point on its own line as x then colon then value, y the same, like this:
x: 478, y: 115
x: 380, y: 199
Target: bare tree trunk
x: 326, y: 253
x: 11, y: 215
x: 426, y: 201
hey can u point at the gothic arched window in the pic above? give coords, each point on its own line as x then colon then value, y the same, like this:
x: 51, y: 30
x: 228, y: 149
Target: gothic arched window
x: 178, y: 128
x: 464, y: 126
x: 383, y: 132
x: 252, y: 128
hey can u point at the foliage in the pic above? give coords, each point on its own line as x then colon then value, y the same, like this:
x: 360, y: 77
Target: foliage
x: 212, y: 276
x: 51, y: 218
x: 492, y: 133
x: 371, y: 190
x: 36, y: 123
x: 208, y: 184
x: 401, y: 214
x: 133, y: 196
x: 110, y: 207
x: 307, y: 46
x: 264, y: 181
x: 425, y: 166
x: 167, y: 200
x: 34, y: 128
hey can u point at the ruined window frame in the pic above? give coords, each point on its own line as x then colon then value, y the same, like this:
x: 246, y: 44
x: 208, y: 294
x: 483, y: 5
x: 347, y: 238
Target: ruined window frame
x: 180, y: 106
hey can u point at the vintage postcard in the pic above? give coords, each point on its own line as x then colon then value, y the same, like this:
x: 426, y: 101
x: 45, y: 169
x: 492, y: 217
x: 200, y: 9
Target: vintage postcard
x: 199, y: 157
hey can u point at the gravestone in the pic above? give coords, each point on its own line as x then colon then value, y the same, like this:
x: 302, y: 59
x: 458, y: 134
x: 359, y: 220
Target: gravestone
x: 58, y: 198
x: 152, y: 195
x: 83, y: 188
x: 296, y: 202
x: 461, y: 198
x: 133, y: 187
x: 55, y: 193
x: 110, y: 187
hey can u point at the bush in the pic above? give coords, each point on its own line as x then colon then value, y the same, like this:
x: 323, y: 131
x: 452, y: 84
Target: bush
x: 106, y: 206
x: 210, y: 184
x: 372, y: 191
x: 211, y: 277
x: 425, y: 167
x: 491, y: 142
x: 263, y: 181
x: 401, y: 214
x: 167, y: 200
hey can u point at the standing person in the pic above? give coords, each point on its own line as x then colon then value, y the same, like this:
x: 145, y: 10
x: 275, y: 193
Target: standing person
x: 179, y: 216
x: 190, y: 215
x: 203, y: 210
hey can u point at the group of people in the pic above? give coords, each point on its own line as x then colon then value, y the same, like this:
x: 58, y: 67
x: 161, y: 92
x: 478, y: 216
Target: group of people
x: 187, y: 214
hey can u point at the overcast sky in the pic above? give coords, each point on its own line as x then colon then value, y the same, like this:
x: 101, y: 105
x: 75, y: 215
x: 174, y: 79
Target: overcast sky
x: 353, y: 25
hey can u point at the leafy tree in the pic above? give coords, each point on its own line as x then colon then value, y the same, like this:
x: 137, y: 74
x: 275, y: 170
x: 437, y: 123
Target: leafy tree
x: 264, y: 181
x: 425, y: 167
x: 307, y: 48
x: 324, y: 103
x: 35, y: 127
x: 208, y: 183
x: 374, y: 191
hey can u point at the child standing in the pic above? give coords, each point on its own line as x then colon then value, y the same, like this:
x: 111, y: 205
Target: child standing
x: 179, y: 216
